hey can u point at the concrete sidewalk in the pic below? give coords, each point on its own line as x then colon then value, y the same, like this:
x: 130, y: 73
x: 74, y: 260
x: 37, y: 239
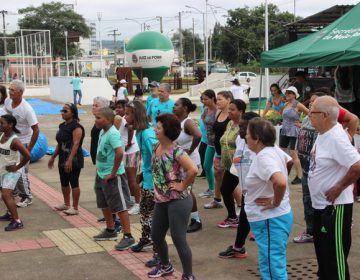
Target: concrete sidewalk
x: 34, y: 253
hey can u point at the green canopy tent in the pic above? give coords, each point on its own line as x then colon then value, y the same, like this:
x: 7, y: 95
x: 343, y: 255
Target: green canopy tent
x: 336, y: 44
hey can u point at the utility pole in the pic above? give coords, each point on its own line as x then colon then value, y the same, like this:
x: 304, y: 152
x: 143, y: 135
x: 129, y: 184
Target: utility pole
x: 210, y: 41
x: 294, y: 10
x: 114, y: 34
x: 161, y: 24
x: 99, y: 15
x: 3, y: 13
x: 181, y: 44
x: 194, y: 51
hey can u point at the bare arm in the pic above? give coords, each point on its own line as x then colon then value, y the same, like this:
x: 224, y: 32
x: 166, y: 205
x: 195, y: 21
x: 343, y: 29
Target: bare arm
x: 25, y: 155
x: 301, y: 108
x: 351, y: 123
x: 191, y: 171
x: 117, y: 161
x: 52, y: 158
x: 191, y: 129
x: 34, y: 136
x: 350, y: 177
x: 117, y: 122
x: 76, y: 134
x: 130, y: 137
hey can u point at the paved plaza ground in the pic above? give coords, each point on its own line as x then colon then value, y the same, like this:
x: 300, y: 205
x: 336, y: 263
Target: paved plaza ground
x: 52, y: 246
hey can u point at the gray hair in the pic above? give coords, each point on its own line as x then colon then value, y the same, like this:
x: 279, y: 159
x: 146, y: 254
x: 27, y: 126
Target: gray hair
x: 103, y: 102
x: 331, y: 109
x: 166, y: 86
x: 18, y: 84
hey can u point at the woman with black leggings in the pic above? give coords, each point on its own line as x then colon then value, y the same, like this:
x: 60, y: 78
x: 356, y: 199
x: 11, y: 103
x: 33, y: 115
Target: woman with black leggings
x: 242, y: 161
x: 173, y: 174
x: 228, y: 146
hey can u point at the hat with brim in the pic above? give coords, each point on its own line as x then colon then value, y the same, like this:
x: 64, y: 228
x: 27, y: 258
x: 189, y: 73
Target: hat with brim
x: 294, y: 91
x: 123, y: 81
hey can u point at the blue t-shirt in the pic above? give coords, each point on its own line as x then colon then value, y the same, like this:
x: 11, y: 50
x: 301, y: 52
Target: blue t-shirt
x: 157, y: 108
x: 76, y: 83
x: 202, y: 126
x: 149, y: 99
x: 105, y: 156
x: 146, y: 139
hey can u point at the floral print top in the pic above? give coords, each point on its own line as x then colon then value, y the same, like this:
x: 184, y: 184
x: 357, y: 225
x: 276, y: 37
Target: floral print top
x: 165, y: 170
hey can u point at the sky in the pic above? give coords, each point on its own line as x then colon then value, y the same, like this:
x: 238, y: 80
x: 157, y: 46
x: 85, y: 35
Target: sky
x: 128, y: 15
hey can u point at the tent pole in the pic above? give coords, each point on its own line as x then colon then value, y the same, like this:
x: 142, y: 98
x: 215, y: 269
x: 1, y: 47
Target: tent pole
x: 261, y: 85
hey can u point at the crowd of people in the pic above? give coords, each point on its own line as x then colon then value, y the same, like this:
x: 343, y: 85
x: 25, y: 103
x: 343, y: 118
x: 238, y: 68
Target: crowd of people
x: 147, y: 157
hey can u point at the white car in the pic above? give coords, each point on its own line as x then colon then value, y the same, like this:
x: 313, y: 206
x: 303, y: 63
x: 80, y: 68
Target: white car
x: 246, y: 75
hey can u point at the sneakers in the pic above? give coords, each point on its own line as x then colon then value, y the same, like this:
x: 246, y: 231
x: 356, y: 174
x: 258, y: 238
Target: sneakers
x: 6, y: 217
x: 184, y: 277
x: 14, y: 225
x: 232, y: 252
x: 228, y: 223
x: 100, y: 220
x: 125, y: 243
x: 24, y: 203
x: 144, y: 243
x: 106, y: 236
x: 303, y: 238
x: 135, y: 209
x: 213, y: 205
x: 161, y: 270
x: 61, y: 207
x: 206, y: 194
x: 154, y: 261
x: 296, y: 181
x: 71, y: 211
x: 194, y: 226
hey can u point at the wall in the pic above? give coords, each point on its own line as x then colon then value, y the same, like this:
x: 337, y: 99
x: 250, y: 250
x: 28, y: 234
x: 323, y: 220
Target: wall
x: 61, y: 89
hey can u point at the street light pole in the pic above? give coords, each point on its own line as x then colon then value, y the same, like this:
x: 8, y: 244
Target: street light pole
x: 206, y: 45
x: 267, y: 82
x: 66, y: 52
x: 99, y: 15
x: 194, y: 52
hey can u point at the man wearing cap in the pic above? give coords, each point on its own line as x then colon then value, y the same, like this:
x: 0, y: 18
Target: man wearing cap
x: 334, y: 166
x: 122, y: 93
x: 162, y: 104
x: 304, y: 87
x: 28, y: 126
x: 154, y: 86
x: 291, y: 128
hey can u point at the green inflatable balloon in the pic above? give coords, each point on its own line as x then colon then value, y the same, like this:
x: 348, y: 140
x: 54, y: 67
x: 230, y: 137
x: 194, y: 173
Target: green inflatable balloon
x: 151, y: 53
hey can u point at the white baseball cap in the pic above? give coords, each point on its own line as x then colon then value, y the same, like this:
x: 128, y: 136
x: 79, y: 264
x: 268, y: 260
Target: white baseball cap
x: 123, y: 81
x: 294, y: 90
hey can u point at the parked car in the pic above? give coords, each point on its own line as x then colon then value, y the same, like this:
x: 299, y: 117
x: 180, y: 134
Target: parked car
x: 246, y: 75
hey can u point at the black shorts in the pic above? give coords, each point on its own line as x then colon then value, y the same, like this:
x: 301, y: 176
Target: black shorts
x: 71, y: 178
x: 287, y: 142
x: 113, y: 194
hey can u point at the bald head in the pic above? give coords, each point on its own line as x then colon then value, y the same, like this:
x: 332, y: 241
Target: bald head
x: 328, y: 105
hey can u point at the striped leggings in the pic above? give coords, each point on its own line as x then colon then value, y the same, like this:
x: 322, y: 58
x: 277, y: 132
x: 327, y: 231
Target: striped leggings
x: 332, y: 241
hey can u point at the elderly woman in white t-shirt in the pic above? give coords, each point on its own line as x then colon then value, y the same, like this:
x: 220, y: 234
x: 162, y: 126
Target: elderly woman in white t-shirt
x: 267, y: 202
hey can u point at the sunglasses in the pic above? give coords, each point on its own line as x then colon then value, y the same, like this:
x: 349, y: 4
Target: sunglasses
x: 64, y: 111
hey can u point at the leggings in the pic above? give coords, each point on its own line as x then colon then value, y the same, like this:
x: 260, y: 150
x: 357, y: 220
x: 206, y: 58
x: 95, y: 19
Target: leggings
x: 243, y: 227
x: 208, y: 166
x: 202, y: 151
x: 228, y: 185
x: 174, y: 215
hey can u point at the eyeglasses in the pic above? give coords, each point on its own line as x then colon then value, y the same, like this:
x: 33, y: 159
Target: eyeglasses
x: 315, y: 112
x: 64, y: 111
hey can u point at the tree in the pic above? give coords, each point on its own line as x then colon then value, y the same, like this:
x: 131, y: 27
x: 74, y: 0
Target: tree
x: 242, y: 38
x: 58, y: 18
x: 188, y: 49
